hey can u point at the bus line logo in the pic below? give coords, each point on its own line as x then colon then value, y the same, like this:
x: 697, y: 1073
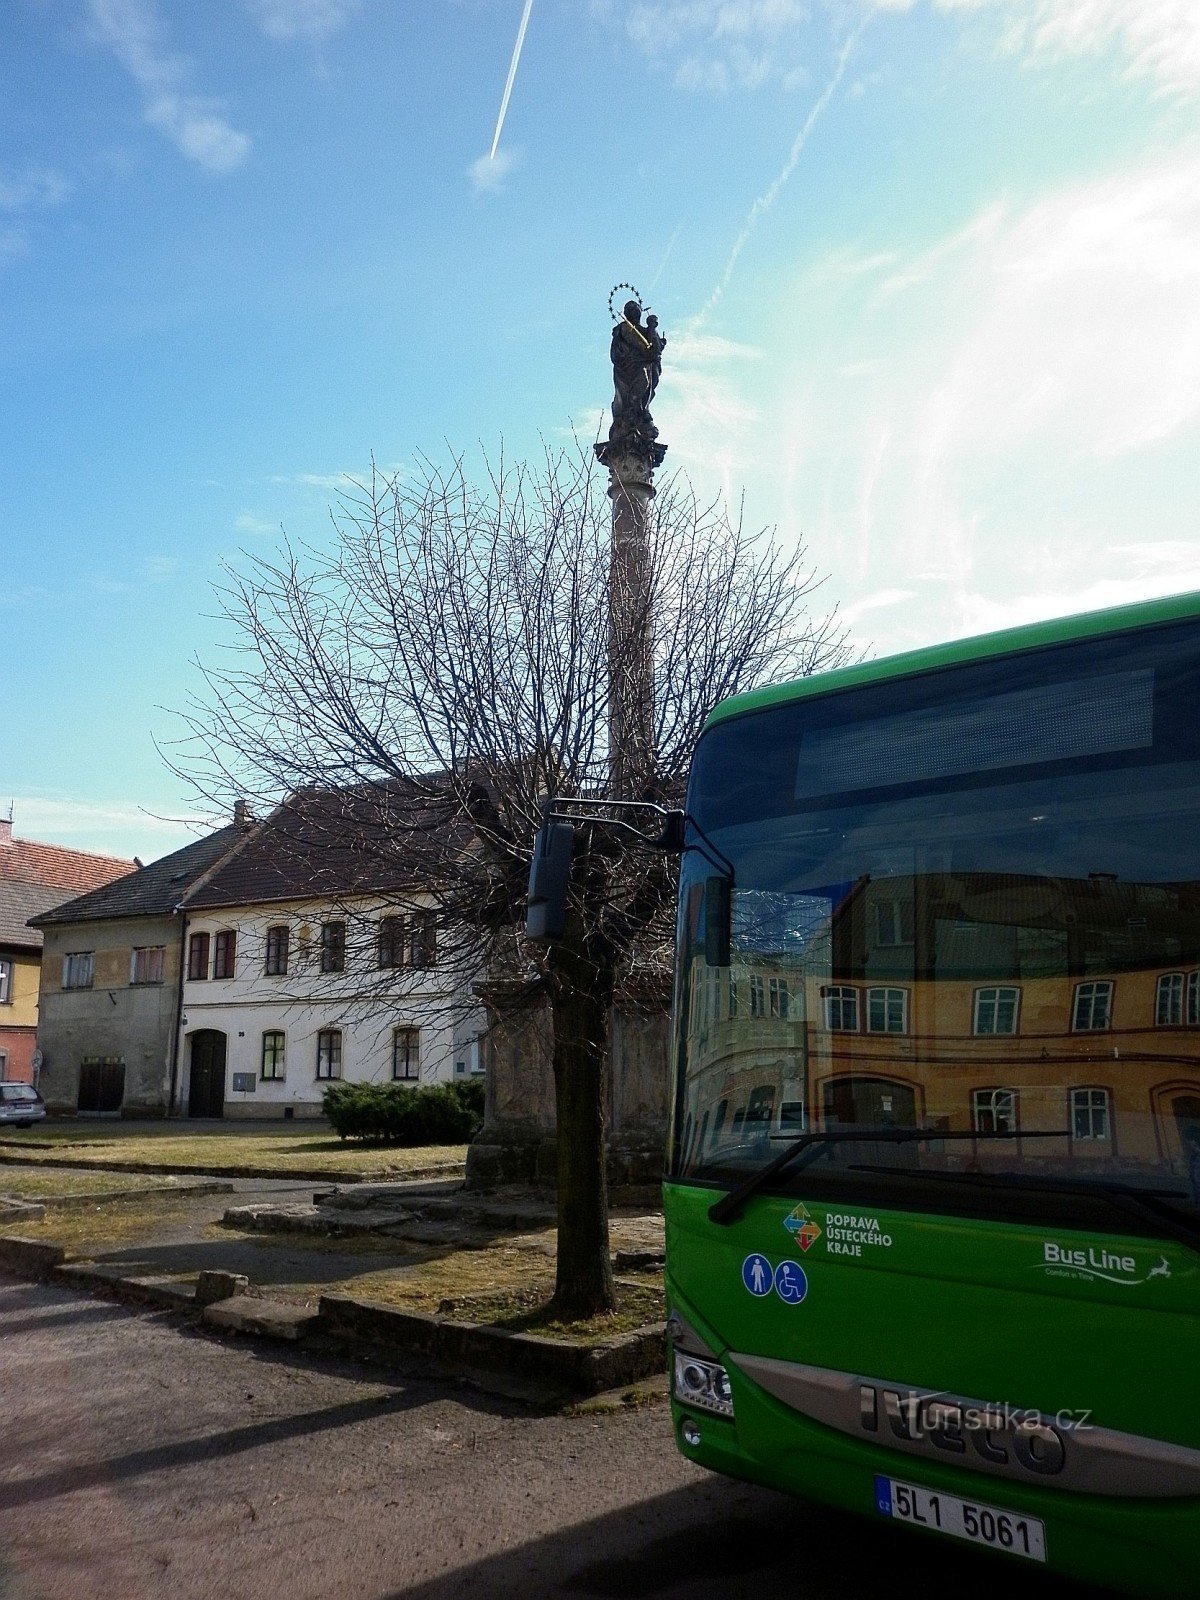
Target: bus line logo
x: 802, y: 1228
x: 1058, y: 1261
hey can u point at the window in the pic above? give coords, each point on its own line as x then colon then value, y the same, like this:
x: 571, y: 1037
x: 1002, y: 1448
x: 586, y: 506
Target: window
x: 423, y: 945
x: 277, y: 951
x: 198, y: 957
x: 1090, y: 1114
x: 841, y: 1008
x: 994, y: 1110
x: 406, y: 1053
x: 1093, y: 1007
x: 225, y: 954
x: 893, y: 922
x: 996, y: 1011
x: 887, y: 1010
x: 333, y: 947
x: 77, y: 969
x: 5, y: 983
x: 329, y: 1053
x: 777, y: 993
x: 272, y: 1054
x: 1177, y: 998
x: 3, y: 1072
x: 391, y: 942
x: 757, y: 1007
x: 146, y: 964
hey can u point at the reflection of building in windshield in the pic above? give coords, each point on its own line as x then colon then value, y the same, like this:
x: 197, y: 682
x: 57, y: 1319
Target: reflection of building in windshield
x: 991, y: 1003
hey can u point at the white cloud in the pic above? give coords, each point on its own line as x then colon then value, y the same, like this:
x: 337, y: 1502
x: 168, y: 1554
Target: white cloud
x: 314, y: 20
x: 719, y: 45
x: 32, y: 188
x: 1029, y: 440
x: 714, y: 423
x: 247, y: 522
x: 119, y: 827
x: 1157, y: 39
x: 134, y: 32
x: 489, y: 174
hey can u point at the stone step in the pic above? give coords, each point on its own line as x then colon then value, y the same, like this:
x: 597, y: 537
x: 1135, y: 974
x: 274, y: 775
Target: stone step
x: 269, y: 1319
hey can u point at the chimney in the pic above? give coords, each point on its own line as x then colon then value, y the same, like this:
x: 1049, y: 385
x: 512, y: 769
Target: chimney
x: 6, y: 828
x: 241, y: 814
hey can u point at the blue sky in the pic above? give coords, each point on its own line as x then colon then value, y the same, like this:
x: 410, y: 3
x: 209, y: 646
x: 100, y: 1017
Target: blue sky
x: 929, y: 269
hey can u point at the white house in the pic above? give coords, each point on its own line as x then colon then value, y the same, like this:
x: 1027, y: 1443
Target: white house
x: 304, y: 964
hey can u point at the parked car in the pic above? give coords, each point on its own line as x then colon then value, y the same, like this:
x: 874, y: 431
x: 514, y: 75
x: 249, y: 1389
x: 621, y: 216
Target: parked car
x: 20, y: 1103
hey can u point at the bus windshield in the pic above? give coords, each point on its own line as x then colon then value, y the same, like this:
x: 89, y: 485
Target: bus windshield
x: 966, y: 903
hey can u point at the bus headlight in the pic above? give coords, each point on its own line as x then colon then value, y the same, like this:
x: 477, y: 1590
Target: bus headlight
x: 703, y: 1384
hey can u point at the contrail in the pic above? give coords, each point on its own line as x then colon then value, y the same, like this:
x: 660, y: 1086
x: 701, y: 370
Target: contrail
x: 512, y: 72
x: 765, y: 201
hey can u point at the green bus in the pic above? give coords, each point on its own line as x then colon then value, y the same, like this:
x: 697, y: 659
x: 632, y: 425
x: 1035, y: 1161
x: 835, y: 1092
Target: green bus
x: 931, y: 1204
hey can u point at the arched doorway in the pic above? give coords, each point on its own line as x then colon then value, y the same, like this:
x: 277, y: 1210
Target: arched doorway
x: 206, y: 1088
x: 851, y: 1102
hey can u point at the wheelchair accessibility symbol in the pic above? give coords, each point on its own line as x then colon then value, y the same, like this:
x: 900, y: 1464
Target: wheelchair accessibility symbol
x: 791, y: 1282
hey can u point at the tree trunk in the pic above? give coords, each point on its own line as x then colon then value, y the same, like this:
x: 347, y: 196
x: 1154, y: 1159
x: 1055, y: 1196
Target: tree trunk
x: 584, y: 1281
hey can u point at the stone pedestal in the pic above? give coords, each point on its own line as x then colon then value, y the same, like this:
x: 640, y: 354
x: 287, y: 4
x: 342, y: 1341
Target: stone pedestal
x: 517, y: 1142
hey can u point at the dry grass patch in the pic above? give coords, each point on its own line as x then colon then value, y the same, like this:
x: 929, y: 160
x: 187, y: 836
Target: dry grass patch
x: 53, y: 1182
x: 529, y: 1311
x: 88, y: 1231
x: 223, y: 1150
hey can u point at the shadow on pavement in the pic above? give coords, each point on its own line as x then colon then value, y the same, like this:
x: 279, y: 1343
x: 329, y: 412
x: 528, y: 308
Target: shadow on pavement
x: 728, y: 1540
x: 207, y: 1447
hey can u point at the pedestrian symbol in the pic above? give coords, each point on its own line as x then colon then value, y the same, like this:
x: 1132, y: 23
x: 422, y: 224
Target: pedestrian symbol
x: 757, y: 1275
x: 791, y: 1283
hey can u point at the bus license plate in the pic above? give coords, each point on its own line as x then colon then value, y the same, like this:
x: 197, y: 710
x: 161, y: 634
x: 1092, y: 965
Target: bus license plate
x: 963, y: 1519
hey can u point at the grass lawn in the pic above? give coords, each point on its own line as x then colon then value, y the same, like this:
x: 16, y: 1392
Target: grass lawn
x: 291, y: 1151
x: 25, y: 1183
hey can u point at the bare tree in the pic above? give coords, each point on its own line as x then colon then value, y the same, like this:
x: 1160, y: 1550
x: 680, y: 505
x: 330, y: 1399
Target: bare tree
x: 444, y: 664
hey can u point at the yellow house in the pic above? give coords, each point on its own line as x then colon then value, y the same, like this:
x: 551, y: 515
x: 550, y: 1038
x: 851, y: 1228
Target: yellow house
x: 34, y: 878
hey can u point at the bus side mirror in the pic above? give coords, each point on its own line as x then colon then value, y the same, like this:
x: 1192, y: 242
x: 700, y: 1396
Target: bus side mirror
x: 549, y: 874
x: 717, y: 910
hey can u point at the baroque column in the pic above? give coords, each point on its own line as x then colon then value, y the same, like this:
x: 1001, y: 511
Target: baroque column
x: 631, y: 452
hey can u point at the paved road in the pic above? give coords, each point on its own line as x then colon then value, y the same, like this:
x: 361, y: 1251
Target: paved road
x: 139, y: 1461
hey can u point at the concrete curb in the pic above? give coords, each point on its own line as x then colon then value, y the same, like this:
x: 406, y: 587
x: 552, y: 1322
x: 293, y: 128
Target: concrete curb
x: 492, y: 1358
x: 574, y: 1368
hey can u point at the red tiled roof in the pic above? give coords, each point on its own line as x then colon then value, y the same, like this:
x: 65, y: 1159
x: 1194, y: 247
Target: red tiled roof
x: 53, y: 866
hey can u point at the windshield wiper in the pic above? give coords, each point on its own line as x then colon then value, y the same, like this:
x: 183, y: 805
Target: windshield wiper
x: 1155, y: 1206
x: 806, y: 1147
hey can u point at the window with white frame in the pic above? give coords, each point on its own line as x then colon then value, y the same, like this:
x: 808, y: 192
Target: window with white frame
x: 77, y: 969
x: 272, y: 1055
x: 1093, y: 1006
x: 994, y: 1110
x: 996, y: 1010
x: 841, y: 1007
x: 1090, y: 1114
x: 406, y: 1054
x: 887, y: 1010
x: 146, y: 964
x: 329, y: 1053
x: 1177, y: 998
x: 778, y: 997
x: 6, y: 971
